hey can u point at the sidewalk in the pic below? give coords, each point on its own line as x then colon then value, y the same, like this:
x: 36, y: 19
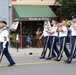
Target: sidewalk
x: 25, y: 51
x: 28, y: 51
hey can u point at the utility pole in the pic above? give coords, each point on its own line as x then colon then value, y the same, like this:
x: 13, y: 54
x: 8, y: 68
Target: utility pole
x: 6, y: 11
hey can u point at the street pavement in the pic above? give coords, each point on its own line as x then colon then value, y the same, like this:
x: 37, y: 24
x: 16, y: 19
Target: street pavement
x: 28, y: 63
x: 32, y: 65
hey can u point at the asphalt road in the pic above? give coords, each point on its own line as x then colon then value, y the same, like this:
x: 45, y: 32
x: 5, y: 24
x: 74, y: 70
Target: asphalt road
x: 32, y: 65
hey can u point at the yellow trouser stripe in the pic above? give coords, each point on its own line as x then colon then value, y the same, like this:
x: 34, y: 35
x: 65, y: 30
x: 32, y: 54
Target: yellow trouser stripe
x: 1, y: 53
x: 72, y: 52
x: 62, y: 49
x: 45, y: 49
x: 52, y: 46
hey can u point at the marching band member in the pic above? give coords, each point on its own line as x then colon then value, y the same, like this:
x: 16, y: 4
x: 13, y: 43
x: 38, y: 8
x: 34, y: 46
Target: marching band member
x: 4, y: 40
x: 45, y: 36
x: 62, y: 34
x: 73, y: 40
x: 53, y: 39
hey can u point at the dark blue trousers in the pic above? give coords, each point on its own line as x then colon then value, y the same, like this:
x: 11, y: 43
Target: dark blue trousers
x: 45, y: 46
x: 73, y: 47
x: 1, y: 50
x: 1, y: 46
x: 63, y: 48
x: 7, y: 54
x: 52, y: 47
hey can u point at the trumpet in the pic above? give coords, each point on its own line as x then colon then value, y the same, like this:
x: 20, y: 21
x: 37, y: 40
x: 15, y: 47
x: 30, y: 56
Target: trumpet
x: 71, y: 22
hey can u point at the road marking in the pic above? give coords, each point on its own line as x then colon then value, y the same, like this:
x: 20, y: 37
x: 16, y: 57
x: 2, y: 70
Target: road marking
x: 34, y: 63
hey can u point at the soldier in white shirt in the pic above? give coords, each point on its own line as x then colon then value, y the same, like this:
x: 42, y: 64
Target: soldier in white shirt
x: 45, y: 36
x: 73, y: 40
x: 53, y: 39
x: 62, y: 34
x: 5, y: 42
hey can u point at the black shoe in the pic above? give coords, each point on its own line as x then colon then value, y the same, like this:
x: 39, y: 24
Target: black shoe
x: 73, y: 57
x: 57, y: 59
x: 11, y: 64
x: 48, y: 58
x: 67, y: 61
x: 41, y: 57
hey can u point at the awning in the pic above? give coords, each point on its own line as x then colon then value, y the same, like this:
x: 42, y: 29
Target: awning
x: 33, y: 11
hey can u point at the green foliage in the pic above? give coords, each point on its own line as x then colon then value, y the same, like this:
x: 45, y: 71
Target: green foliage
x: 67, y: 7
x: 11, y: 36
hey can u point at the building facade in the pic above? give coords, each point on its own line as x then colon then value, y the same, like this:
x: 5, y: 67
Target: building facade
x: 33, y: 2
x: 31, y: 15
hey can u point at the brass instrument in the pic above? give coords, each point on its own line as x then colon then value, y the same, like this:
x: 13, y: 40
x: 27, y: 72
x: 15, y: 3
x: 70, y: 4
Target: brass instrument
x: 55, y: 27
x: 47, y: 25
x: 71, y: 23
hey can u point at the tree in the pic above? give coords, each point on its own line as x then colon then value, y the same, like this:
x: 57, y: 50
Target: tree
x: 67, y: 8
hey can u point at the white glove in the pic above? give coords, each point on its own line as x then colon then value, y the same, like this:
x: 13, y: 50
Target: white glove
x: 4, y: 44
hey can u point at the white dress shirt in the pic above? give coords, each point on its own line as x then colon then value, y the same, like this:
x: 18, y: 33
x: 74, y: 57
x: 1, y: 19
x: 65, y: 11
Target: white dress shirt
x: 45, y: 33
x: 46, y: 27
x: 3, y: 33
x: 53, y: 29
x: 64, y: 33
x: 73, y: 31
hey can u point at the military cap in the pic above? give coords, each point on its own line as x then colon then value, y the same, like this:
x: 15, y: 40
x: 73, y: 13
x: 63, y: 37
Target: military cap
x: 4, y: 22
x: 74, y: 16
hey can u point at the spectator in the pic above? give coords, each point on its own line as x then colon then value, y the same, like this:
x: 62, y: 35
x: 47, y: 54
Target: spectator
x: 17, y: 41
x: 29, y: 41
x: 38, y: 34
